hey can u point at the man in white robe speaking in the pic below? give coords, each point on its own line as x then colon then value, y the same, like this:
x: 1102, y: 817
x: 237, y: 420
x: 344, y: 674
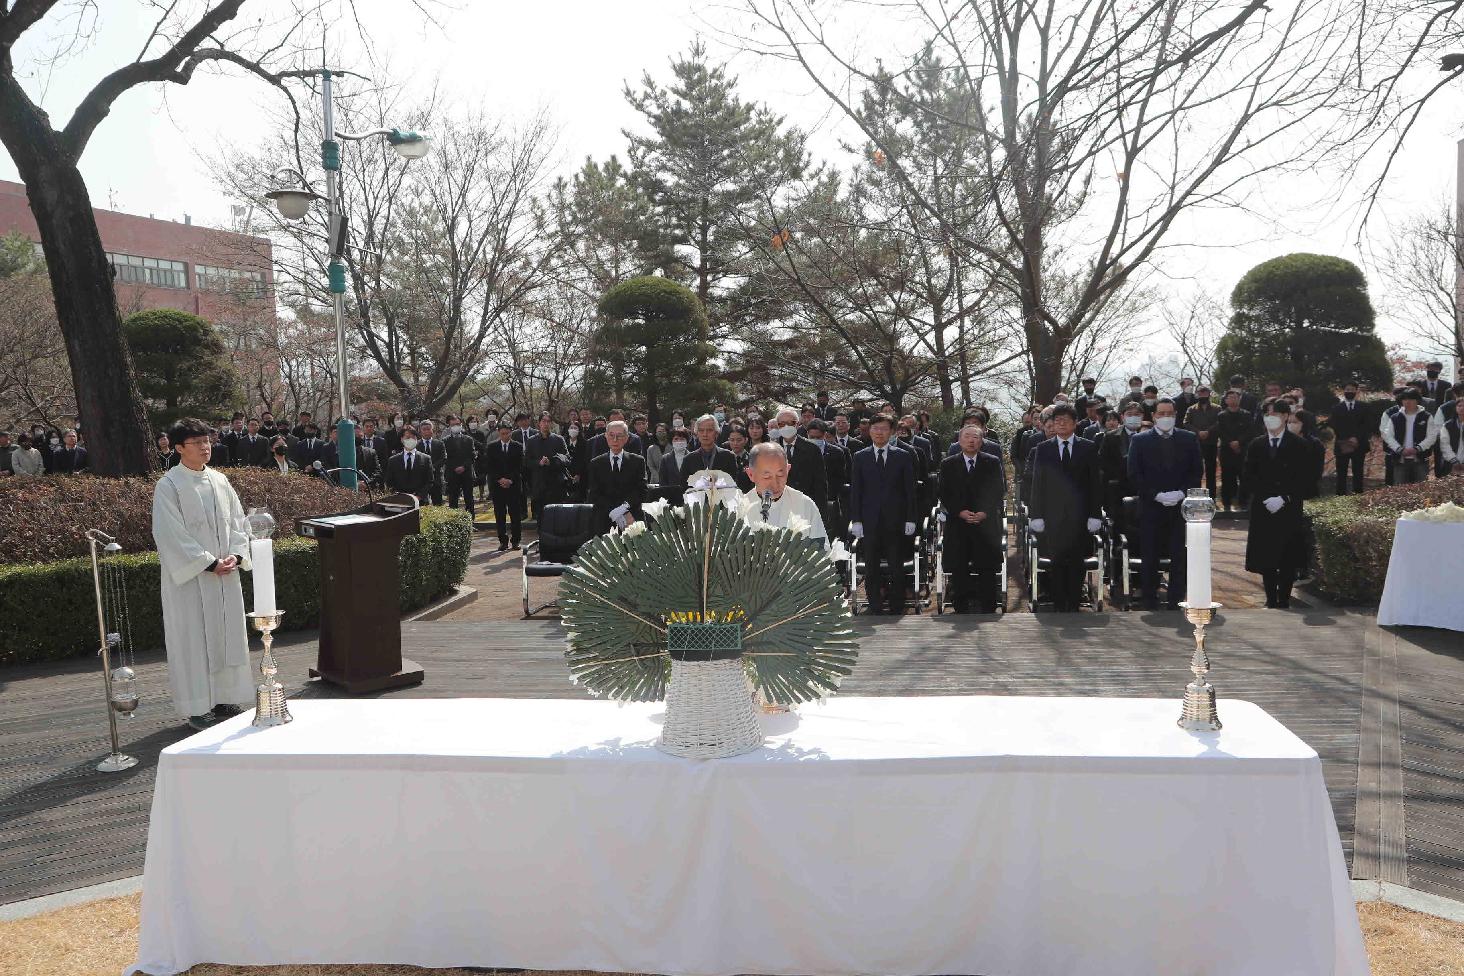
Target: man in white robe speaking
x: 202, y: 544
x: 771, y: 500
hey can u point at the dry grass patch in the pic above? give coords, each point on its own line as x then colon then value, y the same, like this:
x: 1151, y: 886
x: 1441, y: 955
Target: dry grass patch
x: 100, y: 939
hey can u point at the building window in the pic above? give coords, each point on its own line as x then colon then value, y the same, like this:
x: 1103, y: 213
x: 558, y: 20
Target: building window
x: 245, y: 284
x: 158, y: 272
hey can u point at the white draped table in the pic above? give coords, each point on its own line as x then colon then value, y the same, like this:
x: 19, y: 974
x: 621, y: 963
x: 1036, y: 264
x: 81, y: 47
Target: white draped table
x: 873, y: 835
x: 1423, y: 576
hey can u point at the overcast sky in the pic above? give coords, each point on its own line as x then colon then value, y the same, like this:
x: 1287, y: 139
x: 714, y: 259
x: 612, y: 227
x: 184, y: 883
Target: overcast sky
x: 573, y: 57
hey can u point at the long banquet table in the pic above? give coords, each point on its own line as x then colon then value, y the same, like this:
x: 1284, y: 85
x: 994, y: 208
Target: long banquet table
x: 978, y: 835
x: 1423, y: 572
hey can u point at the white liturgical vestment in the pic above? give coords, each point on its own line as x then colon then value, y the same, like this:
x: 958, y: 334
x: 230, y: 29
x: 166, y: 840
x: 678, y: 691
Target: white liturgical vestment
x: 791, y: 502
x: 197, y: 518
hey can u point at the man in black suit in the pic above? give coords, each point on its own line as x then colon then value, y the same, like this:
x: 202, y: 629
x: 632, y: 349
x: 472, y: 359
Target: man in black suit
x: 504, y: 462
x: 882, y: 513
x: 251, y: 450
x: 807, y: 473
x: 430, y: 444
x: 544, y: 464
x: 972, y: 489
x: 1278, y: 467
x: 523, y: 431
x: 1163, y: 465
x: 707, y: 456
x: 1234, y: 430
x: 599, y: 444
x: 1434, y: 388
x: 823, y: 409
x: 410, y: 472
x: 617, y: 480
x: 1089, y: 395
x: 234, y: 439
x: 308, y: 450
x: 1064, y: 505
x: 1348, y: 418
x: 845, y: 437
x: 370, y: 438
x: 671, y: 486
x: 301, y: 430
x: 70, y: 459
x: 459, y: 453
x: 368, y: 462
x: 836, y: 475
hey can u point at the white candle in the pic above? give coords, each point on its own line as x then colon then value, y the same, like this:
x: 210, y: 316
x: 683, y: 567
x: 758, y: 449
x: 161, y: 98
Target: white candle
x: 1197, y: 554
x: 261, y: 555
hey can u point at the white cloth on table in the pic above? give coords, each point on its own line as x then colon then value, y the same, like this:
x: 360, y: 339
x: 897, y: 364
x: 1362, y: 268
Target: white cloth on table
x: 196, y: 519
x: 1424, y: 569
x: 871, y: 835
x: 791, y: 502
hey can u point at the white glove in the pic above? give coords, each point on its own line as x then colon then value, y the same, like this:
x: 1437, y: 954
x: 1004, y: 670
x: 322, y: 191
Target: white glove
x: 856, y: 529
x: 1036, y: 525
x: 909, y: 528
x: 618, y: 512
x: 1274, y: 504
x: 1094, y: 525
x: 1169, y: 498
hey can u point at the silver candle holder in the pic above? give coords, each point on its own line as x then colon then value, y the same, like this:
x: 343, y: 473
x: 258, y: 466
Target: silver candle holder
x: 1199, y: 713
x: 269, y: 698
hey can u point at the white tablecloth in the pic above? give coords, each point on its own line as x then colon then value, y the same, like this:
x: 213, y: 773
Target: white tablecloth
x: 1422, y: 588
x: 873, y: 835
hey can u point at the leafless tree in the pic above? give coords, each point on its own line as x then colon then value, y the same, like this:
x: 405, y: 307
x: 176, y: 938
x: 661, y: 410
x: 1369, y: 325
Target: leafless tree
x: 1099, y: 123
x: 1419, y: 266
x: 35, y: 383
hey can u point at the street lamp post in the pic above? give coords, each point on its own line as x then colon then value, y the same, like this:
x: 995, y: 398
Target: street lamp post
x: 293, y: 204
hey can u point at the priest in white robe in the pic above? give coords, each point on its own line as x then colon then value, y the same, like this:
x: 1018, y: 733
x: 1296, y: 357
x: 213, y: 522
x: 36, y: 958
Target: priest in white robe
x: 770, y: 499
x: 202, y: 544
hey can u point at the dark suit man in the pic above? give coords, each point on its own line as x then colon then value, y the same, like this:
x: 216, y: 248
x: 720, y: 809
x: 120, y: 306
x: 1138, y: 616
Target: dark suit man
x: 824, y: 410
x: 251, y: 450
x: 1234, y: 429
x: 545, y: 463
x: 430, y: 444
x: 504, y: 460
x: 234, y: 439
x: 1277, y: 467
x: 617, y: 483
x: 1064, y: 505
x: 807, y: 474
x: 882, y: 513
x: 70, y: 459
x: 308, y: 450
x: 1434, y: 388
x: 460, y: 454
x: 972, y: 490
x: 1163, y: 465
x: 368, y: 461
x: 410, y: 472
x: 599, y: 444
x: 836, y: 473
x: 707, y: 456
x: 1350, y: 421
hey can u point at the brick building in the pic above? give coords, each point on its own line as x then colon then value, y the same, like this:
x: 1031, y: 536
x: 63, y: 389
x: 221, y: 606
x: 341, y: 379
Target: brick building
x: 217, y: 274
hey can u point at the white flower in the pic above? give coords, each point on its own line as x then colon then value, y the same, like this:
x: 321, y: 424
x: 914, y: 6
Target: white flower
x: 634, y: 529
x: 1447, y: 512
x: 837, y: 552
x: 764, y: 527
x: 656, y: 508
x: 798, y: 525
x: 679, y: 511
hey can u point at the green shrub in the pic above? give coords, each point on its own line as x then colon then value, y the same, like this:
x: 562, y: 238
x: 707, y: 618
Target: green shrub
x: 1355, y: 535
x: 48, y: 614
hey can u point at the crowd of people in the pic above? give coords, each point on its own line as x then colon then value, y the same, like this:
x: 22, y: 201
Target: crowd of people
x: 1075, y: 467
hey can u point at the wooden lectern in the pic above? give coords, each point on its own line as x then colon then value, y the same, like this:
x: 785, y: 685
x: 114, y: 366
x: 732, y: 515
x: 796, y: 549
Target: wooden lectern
x: 360, y: 588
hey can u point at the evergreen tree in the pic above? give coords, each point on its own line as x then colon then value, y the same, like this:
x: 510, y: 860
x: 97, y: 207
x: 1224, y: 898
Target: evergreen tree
x: 1305, y: 321
x: 183, y: 367
x: 710, y: 165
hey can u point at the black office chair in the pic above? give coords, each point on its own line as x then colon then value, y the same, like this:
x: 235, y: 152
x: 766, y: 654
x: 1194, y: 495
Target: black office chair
x: 562, y: 530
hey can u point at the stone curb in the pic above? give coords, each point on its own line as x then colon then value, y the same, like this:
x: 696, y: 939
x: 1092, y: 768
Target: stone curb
x: 460, y: 597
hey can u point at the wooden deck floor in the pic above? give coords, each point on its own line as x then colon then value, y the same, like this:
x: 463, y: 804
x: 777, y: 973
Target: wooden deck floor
x: 1394, y: 699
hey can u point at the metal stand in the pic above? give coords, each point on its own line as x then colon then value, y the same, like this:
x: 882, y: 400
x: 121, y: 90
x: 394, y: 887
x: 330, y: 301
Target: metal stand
x: 269, y: 697
x: 1199, y: 695
x: 117, y: 760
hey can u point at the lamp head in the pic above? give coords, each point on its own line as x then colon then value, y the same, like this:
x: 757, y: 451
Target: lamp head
x: 293, y: 204
x: 409, y: 144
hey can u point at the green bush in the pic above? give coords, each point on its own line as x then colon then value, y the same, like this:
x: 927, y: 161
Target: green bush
x: 1355, y: 535
x: 48, y: 607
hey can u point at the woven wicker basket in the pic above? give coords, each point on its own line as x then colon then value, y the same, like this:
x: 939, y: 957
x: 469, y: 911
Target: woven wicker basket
x: 709, y: 712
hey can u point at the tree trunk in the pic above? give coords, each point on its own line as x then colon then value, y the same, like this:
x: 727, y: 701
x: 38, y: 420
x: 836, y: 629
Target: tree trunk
x: 109, y: 405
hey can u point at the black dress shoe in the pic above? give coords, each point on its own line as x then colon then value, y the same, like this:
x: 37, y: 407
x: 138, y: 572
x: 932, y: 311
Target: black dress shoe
x: 1270, y: 604
x: 514, y: 546
x: 503, y: 547
x: 201, y: 722
x: 1283, y: 604
x: 227, y: 711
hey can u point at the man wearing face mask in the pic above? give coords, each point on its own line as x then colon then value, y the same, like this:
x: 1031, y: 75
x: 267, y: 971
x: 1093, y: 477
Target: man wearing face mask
x: 1163, y: 465
x: 460, y: 454
x: 1200, y: 420
x: 308, y: 449
x: 1186, y: 399
x: 1135, y: 392
x: 1406, y: 437
x: 430, y: 444
x: 410, y: 472
x: 1113, y: 463
x: 577, y: 446
x: 504, y: 462
x: 1090, y: 393
x: 1434, y: 388
x: 1234, y: 429
x: 546, y: 462
x: 1276, y: 469
x: 1348, y: 418
x: 808, y: 474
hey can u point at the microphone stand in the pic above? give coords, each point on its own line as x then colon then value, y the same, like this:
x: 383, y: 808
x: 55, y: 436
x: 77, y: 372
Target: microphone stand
x: 767, y: 503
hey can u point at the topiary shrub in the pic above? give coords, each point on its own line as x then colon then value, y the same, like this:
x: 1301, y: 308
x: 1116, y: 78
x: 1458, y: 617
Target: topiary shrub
x: 47, y: 607
x: 1354, y: 536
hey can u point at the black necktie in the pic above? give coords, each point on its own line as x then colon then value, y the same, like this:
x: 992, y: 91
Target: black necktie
x: 879, y: 457
x: 615, y: 464
x: 1275, y: 442
x: 409, y: 460
x: 1064, y: 446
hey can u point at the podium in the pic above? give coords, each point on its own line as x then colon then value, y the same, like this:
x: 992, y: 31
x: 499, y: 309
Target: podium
x: 360, y: 594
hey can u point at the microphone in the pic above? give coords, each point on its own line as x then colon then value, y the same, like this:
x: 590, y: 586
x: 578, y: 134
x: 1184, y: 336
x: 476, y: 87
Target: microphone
x: 767, y: 503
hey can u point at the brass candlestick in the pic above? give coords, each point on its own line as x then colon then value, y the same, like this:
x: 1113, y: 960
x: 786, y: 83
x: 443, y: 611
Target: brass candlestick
x: 269, y: 697
x: 1199, y: 695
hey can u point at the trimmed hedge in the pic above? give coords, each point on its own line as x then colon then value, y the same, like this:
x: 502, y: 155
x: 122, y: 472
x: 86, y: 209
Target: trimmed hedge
x: 49, y: 614
x: 1354, y: 535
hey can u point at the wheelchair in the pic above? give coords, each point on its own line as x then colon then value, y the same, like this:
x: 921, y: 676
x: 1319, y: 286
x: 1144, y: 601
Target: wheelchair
x: 563, y: 529
x: 911, y: 573
x: 1127, y: 559
x: 1035, y: 569
x: 941, y: 579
